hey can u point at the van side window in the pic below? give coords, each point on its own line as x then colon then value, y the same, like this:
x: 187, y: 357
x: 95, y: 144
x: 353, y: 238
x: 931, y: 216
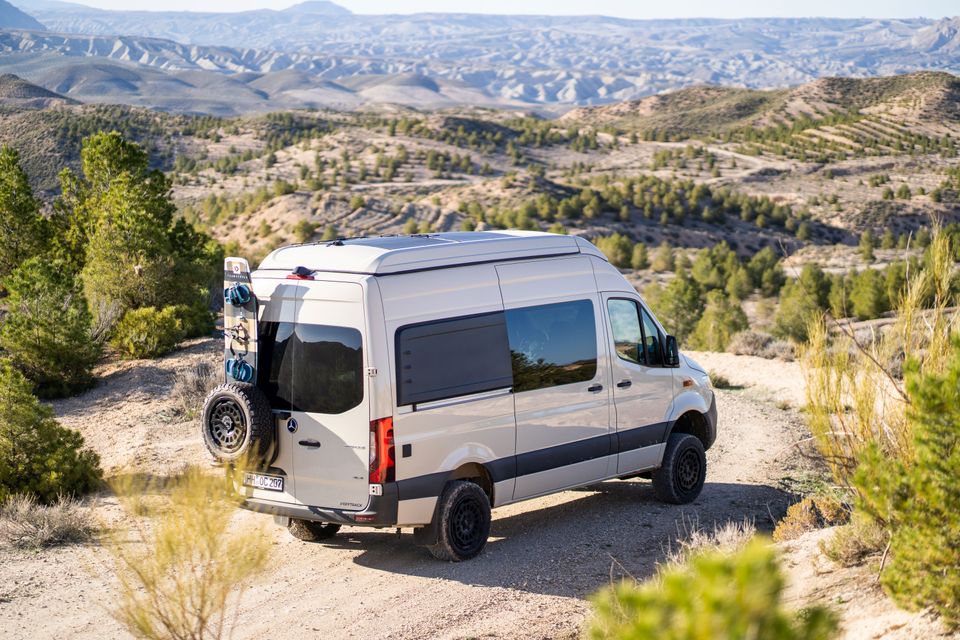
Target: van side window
x: 453, y: 357
x: 625, y: 323
x: 652, y: 340
x: 552, y: 345
x: 310, y: 367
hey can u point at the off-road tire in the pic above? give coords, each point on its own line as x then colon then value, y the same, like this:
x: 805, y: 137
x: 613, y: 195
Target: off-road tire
x: 463, y: 522
x: 310, y: 531
x: 680, y: 478
x: 237, y: 424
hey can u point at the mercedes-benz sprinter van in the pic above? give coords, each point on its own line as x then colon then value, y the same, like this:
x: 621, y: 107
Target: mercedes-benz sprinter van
x: 418, y: 381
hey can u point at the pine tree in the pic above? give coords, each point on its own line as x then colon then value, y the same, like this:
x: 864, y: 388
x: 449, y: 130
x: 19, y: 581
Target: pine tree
x: 24, y: 232
x: 868, y: 243
x: 47, y: 330
x: 118, y: 229
x: 639, y: 259
x: 38, y: 457
x: 918, y: 502
x: 721, y: 319
x: 664, y: 259
x: 869, y: 297
x: 678, y: 305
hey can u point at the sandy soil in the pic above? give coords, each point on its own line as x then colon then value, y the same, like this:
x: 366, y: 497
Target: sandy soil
x: 544, y: 558
x: 854, y: 592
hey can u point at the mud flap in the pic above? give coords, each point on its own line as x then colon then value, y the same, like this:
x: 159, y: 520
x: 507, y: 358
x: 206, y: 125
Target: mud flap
x: 430, y: 534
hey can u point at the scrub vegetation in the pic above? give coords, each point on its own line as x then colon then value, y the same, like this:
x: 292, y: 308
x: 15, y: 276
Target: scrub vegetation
x: 884, y: 415
x: 181, y: 563
x: 715, y: 594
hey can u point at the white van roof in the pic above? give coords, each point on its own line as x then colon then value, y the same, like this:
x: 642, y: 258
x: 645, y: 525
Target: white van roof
x: 399, y: 254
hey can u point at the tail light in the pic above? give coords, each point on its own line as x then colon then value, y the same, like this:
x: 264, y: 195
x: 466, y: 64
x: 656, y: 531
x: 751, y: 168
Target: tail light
x: 382, y: 456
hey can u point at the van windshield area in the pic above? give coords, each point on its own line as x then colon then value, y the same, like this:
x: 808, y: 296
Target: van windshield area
x: 311, y: 368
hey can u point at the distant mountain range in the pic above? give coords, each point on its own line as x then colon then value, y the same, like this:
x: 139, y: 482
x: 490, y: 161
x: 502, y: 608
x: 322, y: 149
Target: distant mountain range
x: 319, y: 54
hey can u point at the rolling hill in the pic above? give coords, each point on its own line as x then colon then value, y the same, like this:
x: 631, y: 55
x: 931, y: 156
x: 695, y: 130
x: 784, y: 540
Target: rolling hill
x: 13, y: 18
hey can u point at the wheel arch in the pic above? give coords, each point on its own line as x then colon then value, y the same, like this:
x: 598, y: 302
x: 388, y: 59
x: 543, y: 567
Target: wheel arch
x: 696, y: 418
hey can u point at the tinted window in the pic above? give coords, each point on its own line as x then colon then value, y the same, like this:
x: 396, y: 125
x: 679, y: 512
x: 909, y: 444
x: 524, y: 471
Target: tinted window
x: 311, y: 368
x: 625, y: 324
x: 651, y: 341
x: 552, y: 344
x: 454, y: 357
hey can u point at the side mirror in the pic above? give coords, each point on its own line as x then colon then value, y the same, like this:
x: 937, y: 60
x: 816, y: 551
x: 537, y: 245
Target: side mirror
x: 672, y: 352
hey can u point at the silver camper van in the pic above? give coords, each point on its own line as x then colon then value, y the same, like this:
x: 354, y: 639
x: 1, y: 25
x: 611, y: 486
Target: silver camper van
x: 419, y: 381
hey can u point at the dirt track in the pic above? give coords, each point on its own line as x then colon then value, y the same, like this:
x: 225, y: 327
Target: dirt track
x: 544, y: 557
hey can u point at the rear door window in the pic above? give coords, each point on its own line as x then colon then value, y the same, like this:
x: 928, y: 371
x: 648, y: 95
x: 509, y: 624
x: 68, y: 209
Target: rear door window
x: 552, y: 344
x: 311, y: 368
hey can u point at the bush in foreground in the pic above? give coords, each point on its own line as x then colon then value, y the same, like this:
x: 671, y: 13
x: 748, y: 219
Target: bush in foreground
x: 38, y: 457
x: 148, y: 333
x: 47, y: 330
x: 919, y: 500
x: 192, y: 566
x: 715, y: 596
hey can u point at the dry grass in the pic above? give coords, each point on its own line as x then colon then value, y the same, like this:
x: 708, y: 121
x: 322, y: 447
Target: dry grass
x: 183, y: 570
x: 762, y: 345
x: 855, y: 542
x: 728, y: 537
x: 27, y: 524
x: 855, y: 395
x: 720, y: 381
x: 192, y: 385
x: 810, y: 514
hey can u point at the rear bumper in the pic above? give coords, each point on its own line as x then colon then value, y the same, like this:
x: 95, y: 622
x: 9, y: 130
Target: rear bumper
x: 380, y: 512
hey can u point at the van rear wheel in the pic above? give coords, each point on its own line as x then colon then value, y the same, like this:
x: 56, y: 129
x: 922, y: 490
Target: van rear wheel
x: 310, y: 531
x: 680, y: 477
x: 463, y: 522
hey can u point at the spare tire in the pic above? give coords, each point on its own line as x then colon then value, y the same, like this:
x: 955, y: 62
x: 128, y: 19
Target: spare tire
x: 237, y: 424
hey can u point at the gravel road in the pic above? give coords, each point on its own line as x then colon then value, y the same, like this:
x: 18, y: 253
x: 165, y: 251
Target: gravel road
x: 544, y: 557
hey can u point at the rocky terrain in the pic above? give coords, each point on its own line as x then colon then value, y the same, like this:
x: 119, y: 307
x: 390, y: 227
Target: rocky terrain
x: 317, y: 54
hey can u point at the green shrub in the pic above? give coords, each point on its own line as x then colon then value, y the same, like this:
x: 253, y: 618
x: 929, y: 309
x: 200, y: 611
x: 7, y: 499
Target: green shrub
x: 618, y: 249
x: 721, y: 319
x: 47, y: 330
x: 38, y: 457
x: 148, y: 333
x: 196, y: 319
x: 715, y: 596
x: 852, y: 543
x: 678, y: 305
x: 918, y: 500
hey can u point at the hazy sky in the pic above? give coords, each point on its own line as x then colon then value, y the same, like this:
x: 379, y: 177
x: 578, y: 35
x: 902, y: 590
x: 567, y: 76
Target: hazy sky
x: 625, y: 8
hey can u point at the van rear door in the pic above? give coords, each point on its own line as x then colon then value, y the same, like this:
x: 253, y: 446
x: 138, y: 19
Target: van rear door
x: 316, y: 370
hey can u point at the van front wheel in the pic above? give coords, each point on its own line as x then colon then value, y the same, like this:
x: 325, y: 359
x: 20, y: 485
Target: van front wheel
x: 312, y: 531
x: 680, y: 477
x: 463, y: 522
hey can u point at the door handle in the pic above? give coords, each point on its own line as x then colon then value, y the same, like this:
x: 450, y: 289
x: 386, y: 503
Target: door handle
x: 595, y: 388
x: 312, y: 444
x: 624, y: 384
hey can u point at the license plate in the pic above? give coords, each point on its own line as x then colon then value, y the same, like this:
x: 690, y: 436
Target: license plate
x: 260, y: 481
